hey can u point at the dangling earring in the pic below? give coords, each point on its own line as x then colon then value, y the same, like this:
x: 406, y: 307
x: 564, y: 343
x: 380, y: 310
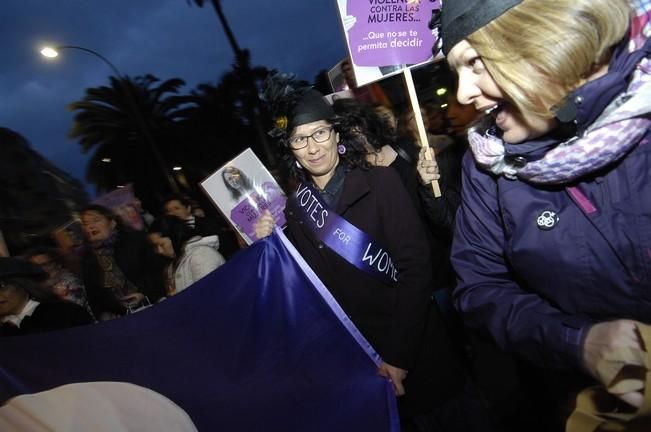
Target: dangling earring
x: 298, y: 165
x: 341, y: 149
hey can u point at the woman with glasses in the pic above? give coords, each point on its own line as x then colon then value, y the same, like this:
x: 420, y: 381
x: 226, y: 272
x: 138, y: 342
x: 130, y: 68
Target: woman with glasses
x: 357, y: 228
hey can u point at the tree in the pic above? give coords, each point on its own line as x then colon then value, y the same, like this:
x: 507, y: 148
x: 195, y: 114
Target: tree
x: 215, y: 124
x: 247, y: 78
x: 128, y: 122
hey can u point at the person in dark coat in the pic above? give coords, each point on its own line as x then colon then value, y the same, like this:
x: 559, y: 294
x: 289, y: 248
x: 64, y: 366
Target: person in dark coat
x: 120, y: 270
x: 552, y: 237
x: 445, y: 167
x: 391, y: 314
x: 26, y: 307
x: 380, y: 141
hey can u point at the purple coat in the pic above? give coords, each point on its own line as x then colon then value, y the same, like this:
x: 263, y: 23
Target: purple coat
x: 537, y: 288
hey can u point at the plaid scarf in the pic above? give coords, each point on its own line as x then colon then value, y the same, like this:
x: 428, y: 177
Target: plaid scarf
x: 114, y: 279
x: 614, y: 134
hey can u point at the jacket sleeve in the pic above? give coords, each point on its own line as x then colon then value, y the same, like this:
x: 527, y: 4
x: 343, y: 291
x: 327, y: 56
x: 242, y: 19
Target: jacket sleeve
x: 140, y: 264
x: 204, y: 261
x: 405, y: 238
x: 488, y: 294
x: 441, y: 211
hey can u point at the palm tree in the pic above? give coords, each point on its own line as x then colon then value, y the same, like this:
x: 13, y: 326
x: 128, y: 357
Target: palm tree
x: 128, y: 122
x: 215, y: 119
x: 227, y: 28
x: 250, y: 98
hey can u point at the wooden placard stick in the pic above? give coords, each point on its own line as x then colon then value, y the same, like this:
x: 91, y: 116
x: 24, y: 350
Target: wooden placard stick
x: 422, y: 133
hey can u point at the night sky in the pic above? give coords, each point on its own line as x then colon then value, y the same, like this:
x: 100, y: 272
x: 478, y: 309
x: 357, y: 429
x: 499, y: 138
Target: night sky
x: 166, y: 38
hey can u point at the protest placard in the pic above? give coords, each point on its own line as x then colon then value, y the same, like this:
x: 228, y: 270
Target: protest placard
x: 242, y: 190
x: 385, y: 36
x: 123, y: 203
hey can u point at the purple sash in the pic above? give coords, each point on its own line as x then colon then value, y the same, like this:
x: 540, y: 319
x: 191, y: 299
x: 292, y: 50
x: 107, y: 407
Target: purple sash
x: 344, y: 238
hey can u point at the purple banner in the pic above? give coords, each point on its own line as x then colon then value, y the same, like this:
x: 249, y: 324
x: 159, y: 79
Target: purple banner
x: 389, y: 32
x: 260, y: 344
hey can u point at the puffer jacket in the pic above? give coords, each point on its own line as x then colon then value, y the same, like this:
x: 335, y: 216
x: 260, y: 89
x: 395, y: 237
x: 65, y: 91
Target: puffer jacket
x: 537, y: 265
x: 201, y: 257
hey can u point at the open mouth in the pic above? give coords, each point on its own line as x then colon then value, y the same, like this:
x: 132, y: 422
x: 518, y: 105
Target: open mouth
x: 493, y: 111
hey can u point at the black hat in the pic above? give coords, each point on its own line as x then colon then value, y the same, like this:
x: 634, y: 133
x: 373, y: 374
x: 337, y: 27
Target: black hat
x: 311, y: 107
x: 293, y: 103
x: 17, y: 267
x: 461, y: 18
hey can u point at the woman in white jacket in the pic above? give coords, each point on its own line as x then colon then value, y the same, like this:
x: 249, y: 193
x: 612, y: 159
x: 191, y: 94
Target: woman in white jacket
x: 193, y: 257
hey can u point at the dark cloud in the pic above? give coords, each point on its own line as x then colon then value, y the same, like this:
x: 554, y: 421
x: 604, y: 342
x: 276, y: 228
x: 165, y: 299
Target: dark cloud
x: 167, y: 38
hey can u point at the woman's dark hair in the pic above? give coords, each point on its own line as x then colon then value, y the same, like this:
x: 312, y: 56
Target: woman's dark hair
x: 363, y: 119
x: 245, y: 181
x: 354, y: 156
x: 184, y: 200
x: 107, y: 213
x: 104, y: 211
x: 177, y: 230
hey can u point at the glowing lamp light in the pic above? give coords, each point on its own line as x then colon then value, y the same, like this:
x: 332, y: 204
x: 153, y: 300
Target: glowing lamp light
x: 444, y: 106
x: 49, y: 52
x: 177, y: 168
x: 106, y: 160
x: 441, y: 91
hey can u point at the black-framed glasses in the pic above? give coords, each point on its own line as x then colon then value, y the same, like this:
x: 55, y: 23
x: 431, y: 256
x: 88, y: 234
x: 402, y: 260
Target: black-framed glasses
x: 320, y: 135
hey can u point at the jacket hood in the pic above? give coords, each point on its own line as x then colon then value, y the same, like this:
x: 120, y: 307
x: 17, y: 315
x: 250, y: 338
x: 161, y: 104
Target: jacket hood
x: 209, y: 241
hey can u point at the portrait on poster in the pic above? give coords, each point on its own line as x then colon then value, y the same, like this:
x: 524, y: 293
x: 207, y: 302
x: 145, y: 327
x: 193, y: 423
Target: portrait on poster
x: 242, y: 190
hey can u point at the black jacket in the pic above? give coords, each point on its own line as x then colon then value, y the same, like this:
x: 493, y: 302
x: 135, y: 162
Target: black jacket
x: 49, y: 316
x: 400, y: 321
x: 137, y: 260
x: 440, y: 212
x: 392, y: 316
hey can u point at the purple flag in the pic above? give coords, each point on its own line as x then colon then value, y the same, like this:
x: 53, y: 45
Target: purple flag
x: 257, y: 345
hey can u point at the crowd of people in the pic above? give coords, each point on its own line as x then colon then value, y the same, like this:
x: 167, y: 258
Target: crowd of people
x: 540, y: 241
x: 118, y: 270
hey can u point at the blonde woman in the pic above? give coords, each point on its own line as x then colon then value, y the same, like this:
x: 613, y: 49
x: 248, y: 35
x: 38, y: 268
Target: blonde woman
x: 554, y: 231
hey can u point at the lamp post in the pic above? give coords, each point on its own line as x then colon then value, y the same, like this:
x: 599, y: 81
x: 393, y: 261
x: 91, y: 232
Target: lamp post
x: 52, y: 52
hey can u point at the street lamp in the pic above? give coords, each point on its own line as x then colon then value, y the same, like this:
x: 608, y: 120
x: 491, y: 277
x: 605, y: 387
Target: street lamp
x: 52, y: 52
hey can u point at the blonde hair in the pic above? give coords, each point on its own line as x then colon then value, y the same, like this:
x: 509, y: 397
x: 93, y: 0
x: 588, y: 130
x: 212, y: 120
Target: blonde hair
x: 541, y: 50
